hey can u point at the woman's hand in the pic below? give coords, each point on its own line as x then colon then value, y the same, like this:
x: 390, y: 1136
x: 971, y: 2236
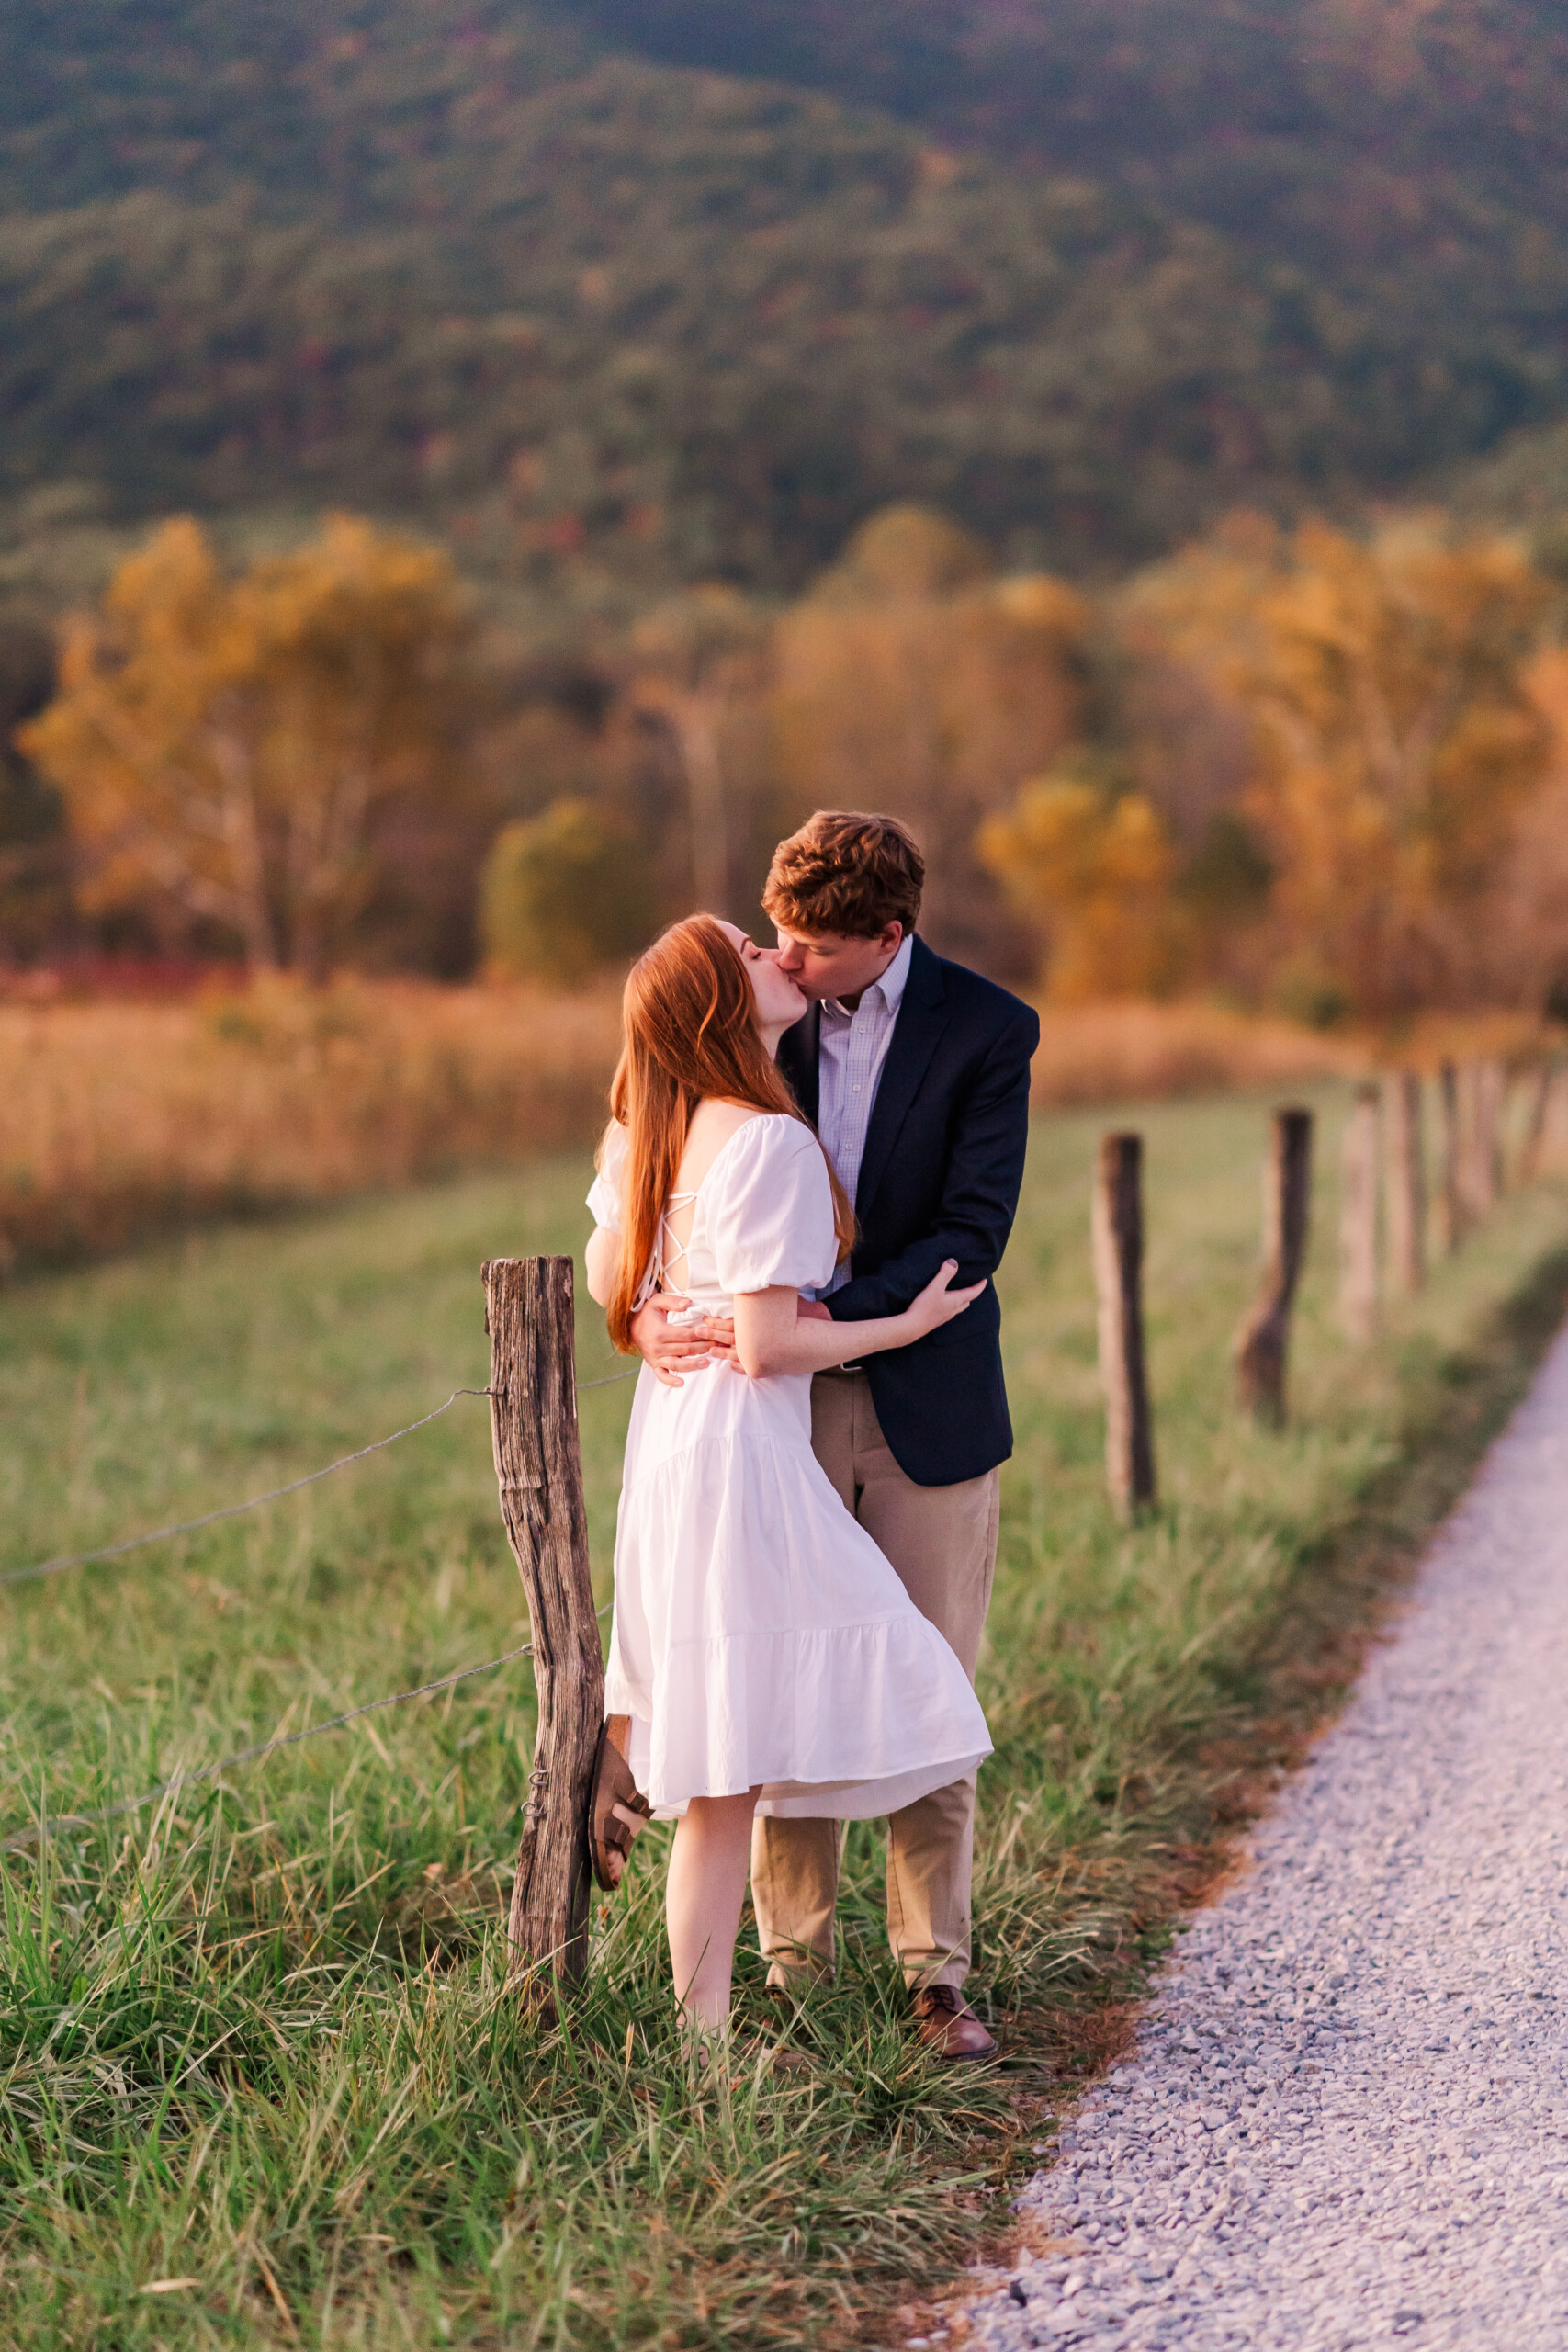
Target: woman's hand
x: 936, y: 1303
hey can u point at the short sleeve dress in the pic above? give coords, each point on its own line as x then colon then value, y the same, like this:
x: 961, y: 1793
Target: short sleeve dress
x: 760, y: 1635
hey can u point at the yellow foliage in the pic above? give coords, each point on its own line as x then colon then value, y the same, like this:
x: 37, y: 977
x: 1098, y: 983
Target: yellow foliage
x: 901, y: 551
x: 223, y: 744
x: 1396, y: 739
x: 1099, y: 872
x: 905, y: 683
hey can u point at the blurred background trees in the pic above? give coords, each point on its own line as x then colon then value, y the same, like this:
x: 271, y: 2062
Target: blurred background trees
x: 564, y: 895
x: 911, y: 679
x: 1394, y: 735
x: 34, y: 897
x: 1313, y: 770
x: 232, y: 751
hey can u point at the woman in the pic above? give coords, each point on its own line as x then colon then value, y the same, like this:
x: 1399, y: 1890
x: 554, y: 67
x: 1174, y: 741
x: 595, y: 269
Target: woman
x: 763, y: 1650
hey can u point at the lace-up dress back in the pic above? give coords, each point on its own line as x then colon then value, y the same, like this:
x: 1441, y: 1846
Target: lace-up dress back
x: 759, y: 1637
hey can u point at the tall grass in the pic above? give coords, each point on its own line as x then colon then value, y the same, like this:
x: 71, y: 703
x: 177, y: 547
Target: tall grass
x: 121, y: 1120
x: 118, y: 1120
x: 262, y: 2080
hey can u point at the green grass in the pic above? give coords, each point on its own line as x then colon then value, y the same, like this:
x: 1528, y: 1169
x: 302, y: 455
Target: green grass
x: 258, y: 2038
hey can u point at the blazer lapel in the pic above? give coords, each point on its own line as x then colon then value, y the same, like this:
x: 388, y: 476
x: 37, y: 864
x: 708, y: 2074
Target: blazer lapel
x: 797, y: 1060
x: 922, y: 1016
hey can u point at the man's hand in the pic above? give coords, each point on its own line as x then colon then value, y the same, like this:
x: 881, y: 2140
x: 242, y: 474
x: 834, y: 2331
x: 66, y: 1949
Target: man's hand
x: 814, y: 1310
x: 686, y: 1349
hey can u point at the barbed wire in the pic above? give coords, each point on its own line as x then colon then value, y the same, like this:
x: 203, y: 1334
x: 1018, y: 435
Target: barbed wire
x: 233, y: 1510
x: 177, y: 1780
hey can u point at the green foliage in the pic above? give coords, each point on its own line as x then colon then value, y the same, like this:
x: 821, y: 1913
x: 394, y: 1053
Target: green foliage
x: 1227, y: 877
x: 261, y: 2032
x: 618, y: 322
x: 562, y: 895
x: 33, y: 887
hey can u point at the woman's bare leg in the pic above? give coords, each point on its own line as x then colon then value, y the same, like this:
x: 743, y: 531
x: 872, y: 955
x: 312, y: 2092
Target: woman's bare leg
x: 707, y: 1885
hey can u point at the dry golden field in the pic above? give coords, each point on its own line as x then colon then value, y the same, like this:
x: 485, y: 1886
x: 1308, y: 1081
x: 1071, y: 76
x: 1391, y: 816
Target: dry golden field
x: 119, y: 1118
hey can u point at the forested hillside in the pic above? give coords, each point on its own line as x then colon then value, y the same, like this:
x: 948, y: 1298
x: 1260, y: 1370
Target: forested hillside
x: 551, y: 283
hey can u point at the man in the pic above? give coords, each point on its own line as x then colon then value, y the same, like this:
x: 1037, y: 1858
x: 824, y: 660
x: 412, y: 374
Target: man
x: 916, y: 1074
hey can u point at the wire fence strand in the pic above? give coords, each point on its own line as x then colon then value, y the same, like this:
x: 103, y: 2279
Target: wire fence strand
x: 177, y: 1780
x: 290, y: 1739
x: 233, y: 1510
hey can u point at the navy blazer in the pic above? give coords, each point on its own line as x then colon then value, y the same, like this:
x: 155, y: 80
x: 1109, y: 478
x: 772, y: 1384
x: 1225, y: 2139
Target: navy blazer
x: 940, y: 1178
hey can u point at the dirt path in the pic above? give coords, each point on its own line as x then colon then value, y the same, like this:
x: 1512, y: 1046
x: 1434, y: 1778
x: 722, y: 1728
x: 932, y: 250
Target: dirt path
x: 1346, y: 2124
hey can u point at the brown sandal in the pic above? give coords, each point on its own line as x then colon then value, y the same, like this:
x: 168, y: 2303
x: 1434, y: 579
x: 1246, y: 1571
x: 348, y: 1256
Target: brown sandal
x: 616, y: 1807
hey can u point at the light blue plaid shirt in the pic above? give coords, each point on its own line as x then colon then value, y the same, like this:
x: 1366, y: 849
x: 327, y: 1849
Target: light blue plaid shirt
x: 851, y: 1049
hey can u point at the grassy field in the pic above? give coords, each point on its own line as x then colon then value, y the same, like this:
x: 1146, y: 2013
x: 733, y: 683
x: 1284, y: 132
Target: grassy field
x: 261, y: 2082
x: 124, y: 1119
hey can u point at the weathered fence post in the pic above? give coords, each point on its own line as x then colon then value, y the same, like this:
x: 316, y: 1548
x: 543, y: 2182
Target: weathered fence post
x: 1555, y: 1121
x: 1491, y: 1091
x: 1467, y: 1098
x: 533, y: 1416
x: 1537, y: 1090
x: 1118, y: 1229
x: 1477, y: 1141
x: 1264, y: 1337
x: 1404, y: 1181
x: 1450, y: 1196
x: 1359, y: 1217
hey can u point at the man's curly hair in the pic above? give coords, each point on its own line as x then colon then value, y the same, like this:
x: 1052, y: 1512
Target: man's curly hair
x: 847, y: 873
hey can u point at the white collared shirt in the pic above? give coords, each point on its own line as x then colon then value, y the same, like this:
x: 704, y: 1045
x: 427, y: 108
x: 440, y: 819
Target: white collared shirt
x: 852, y: 1050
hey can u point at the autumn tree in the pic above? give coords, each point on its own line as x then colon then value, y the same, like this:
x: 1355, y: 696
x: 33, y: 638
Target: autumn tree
x: 1093, y: 868
x: 1522, y: 948
x: 695, y: 671
x: 228, y: 745
x: 1395, y: 742
x: 912, y: 680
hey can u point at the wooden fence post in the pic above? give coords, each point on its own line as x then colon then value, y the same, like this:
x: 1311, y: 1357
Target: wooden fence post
x: 533, y: 1416
x: 1555, y: 1121
x: 1490, y: 1096
x: 1359, y: 1217
x: 1537, y: 1090
x: 1264, y: 1337
x: 1404, y: 1181
x: 1477, y: 1141
x: 1118, y: 1229
x: 1449, y: 1201
x: 1467, y: 1106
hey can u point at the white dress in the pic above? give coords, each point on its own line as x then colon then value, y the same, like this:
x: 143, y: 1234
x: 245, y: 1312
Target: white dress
x: 759, y: 1637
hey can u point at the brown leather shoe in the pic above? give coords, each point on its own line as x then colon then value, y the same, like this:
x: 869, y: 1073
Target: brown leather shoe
x: 948, y: 2026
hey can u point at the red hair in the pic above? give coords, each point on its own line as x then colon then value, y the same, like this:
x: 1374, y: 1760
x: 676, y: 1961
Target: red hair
x: 691, y: 1035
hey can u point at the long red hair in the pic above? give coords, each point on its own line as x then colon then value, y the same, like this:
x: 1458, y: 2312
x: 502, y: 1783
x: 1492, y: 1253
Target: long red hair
x: 690, y: 1034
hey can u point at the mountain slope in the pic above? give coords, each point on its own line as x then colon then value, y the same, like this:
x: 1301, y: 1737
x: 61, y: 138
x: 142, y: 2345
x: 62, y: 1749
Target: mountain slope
x: 633, y: 318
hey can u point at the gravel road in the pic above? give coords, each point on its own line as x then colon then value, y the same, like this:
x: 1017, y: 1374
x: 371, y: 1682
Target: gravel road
x: 1346, y: 2124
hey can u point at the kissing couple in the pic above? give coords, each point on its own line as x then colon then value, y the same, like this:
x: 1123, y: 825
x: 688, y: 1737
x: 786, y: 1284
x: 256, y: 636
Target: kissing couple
x: 805, y: 1187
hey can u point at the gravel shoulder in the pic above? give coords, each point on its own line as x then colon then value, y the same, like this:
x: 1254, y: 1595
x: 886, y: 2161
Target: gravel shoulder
x: 1345, y: 2123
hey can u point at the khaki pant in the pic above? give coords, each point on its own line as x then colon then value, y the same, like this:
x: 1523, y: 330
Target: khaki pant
x: 943, y: 1541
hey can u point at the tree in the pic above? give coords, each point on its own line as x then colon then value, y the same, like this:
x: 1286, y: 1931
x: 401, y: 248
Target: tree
x: 696, y: 663
x: 34, y: 883
x: 226, y: 746
x: 1095, y: 868
x: 563, y: 894
x: 1395, y: 740
x: 911, y: 681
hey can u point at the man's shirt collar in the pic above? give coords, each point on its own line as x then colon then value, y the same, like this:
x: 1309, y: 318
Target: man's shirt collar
x: 892, y: 983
